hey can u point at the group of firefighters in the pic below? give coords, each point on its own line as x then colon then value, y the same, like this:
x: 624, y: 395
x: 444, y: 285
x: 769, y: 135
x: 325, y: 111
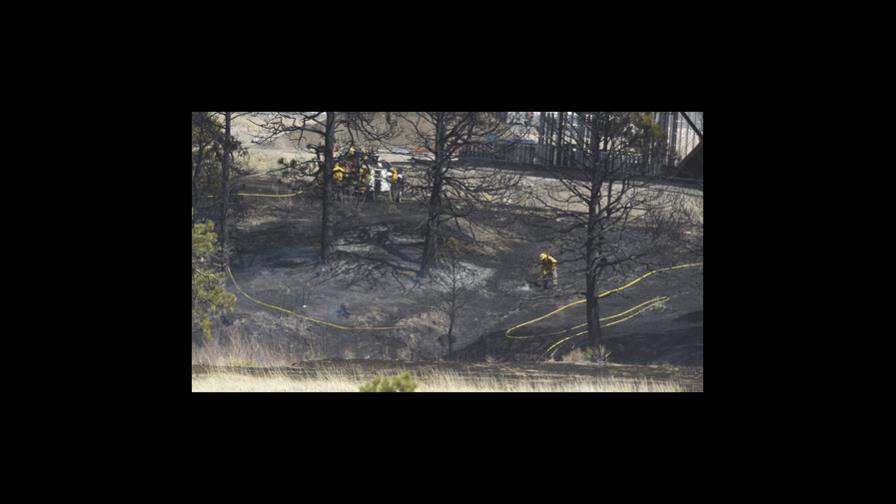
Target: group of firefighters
x: 352, y: 174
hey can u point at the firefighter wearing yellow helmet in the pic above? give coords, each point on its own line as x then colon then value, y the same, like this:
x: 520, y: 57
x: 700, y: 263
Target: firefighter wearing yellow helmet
x: 548, y: 270
x: 396, y: 182
x: 338, y: 176
x: 338, y: 172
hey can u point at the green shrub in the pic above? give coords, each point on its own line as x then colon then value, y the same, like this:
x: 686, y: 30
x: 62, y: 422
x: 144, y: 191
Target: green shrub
x: 210, y: 296
x: 398, y: 383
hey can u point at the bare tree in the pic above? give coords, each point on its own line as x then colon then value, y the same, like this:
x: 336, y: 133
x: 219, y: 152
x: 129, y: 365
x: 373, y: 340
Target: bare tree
x: 216, y: 164
x: 601, y: 208
x: 683, y: 226
x: 226, y: 156
x: 207, y: 137
x: 559, y: 154
x: 455, y: 294
x: 358, y: 127
x: 224, y: 201
x: 453, y: 190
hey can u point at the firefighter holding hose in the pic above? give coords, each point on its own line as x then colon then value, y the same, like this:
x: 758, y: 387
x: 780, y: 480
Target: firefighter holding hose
x: 548, y: 270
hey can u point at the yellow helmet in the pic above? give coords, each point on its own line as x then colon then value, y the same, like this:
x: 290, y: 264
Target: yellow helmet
x: 543, y: 256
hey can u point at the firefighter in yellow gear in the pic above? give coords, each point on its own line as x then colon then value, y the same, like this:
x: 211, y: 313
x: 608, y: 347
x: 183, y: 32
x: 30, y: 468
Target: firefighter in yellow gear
x: 338, y: 176
x: 548, y: 270
x: 361, y: 183
x: 356, y: 157
x: 338, y: 172
x: 364, y: 179
x: 396, y: 183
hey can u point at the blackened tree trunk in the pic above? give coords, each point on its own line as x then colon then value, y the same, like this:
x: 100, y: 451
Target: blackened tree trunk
x: 592, y: 311
x: 559, y: 154
x: 432, y: 223
x: 673, y: 139
x: 645, y: 150
x: 592, y: 305
x: 549, y: 140
x: 451, y: 335
x: 592, y: 244
x: 664, y: 149
x: 197, y: 168
x: 435, y: 200
x: 224, y: 203
x: 326, y: 227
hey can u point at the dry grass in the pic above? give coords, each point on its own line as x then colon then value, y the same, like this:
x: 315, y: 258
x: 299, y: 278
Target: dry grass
x: 262, y: 161
x: 348, y: 380
x: 241, y: 351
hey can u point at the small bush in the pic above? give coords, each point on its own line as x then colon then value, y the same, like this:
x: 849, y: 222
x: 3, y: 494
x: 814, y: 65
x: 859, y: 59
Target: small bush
x: 399, y: 383
x: 574, y: 356
x: 598, y: 354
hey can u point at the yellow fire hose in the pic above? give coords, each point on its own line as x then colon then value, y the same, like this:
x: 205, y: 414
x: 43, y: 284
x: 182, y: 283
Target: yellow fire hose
x: 290, y: 195
x: 645, y: 305
x: 310, y: 319
x: 602, y: 294
x: 636, y: 309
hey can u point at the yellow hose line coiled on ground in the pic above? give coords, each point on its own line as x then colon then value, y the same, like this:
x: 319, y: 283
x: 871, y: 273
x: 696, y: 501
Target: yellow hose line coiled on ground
x: 642, y: 277
x: 644, y: 306
x: 546, y: 315
x: 583, y: 324
x: 310, y: 319
x: 602, y: 294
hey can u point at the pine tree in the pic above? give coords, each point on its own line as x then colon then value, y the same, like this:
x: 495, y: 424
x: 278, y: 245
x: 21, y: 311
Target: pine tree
x: 209, y: 295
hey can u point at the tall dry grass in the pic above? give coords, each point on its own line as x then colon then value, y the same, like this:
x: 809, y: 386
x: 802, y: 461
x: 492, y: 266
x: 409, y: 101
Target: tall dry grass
x: 239, y: 350
x: 349, y: 380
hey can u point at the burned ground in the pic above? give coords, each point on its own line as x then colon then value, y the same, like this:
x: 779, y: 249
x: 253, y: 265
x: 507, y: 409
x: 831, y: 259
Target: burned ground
x: 371, y: 281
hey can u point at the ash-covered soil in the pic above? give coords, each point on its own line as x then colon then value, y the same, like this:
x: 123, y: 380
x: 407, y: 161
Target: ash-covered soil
x: 372, y: 281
